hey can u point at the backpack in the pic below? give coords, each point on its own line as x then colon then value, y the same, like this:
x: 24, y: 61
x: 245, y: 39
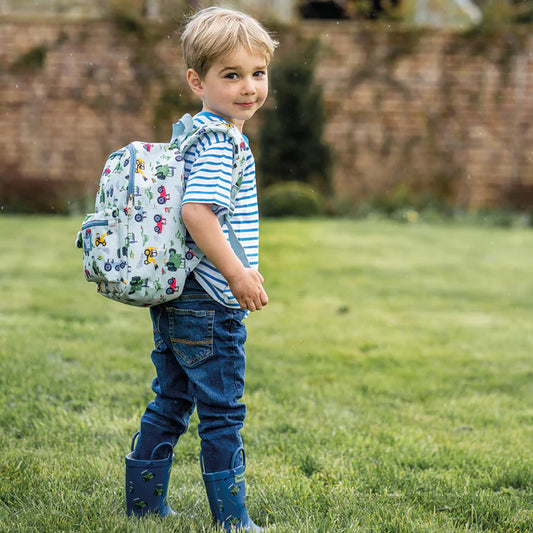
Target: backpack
x: 134, y: 244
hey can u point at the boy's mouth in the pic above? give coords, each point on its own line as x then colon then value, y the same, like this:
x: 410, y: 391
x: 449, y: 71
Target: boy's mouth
x: 246, y: 105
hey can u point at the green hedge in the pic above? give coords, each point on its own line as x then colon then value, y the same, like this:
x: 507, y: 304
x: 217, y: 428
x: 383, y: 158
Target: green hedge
x: 290, y: 198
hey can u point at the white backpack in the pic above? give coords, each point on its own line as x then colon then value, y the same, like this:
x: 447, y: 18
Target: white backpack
x: 134, y: 243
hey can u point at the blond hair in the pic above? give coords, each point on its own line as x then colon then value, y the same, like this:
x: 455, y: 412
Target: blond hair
x: 214, y: 32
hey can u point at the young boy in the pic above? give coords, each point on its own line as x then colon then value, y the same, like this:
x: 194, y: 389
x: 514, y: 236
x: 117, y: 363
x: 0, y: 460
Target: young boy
x: 199, y: 338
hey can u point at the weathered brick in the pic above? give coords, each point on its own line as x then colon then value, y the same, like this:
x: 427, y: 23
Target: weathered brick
x: 400, y: 107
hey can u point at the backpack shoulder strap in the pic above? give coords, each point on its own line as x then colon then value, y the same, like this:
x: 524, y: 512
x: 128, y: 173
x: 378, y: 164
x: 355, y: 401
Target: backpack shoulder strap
x: 185, y: 134
x: 181, y: 130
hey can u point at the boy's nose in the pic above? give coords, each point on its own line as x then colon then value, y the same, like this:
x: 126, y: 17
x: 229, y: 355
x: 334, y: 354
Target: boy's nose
x: 248, y: 87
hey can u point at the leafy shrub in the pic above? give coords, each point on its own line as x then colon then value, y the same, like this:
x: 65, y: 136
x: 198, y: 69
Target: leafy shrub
x: 127, y: 15
x: 291, y: 133
x: 291, y: 198
x: 30, y: 61
x: 20, y: 193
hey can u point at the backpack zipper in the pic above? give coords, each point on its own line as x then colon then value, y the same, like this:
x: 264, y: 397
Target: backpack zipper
x: 131, y: 178
x: 129, y: 208
x: 93, y: 223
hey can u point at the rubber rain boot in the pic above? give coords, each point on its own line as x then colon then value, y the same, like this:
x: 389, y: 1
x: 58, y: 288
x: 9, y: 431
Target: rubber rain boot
x: 147, y: 482
x: 226, y: 492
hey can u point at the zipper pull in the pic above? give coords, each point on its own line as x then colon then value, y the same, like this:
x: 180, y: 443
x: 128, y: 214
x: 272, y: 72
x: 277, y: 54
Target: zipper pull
x: 129, y: 208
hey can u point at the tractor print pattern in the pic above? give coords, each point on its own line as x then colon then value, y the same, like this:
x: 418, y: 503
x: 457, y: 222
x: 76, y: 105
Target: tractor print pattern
x: 134, y: 243
x: 231, y: 499
x: 150, y: 489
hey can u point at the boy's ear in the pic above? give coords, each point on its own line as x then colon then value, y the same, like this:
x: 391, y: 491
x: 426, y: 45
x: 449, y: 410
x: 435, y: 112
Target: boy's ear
x: 195, y: 82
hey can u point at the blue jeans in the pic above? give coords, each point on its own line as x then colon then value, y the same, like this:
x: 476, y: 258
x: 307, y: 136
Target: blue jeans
x: 200, y: 361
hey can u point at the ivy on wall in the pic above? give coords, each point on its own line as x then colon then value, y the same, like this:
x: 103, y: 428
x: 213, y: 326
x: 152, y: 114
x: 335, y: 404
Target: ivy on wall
x: 291, y: 137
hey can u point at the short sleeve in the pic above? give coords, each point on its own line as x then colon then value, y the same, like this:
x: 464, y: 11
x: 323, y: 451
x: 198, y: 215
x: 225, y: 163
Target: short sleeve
x: 210, y: 177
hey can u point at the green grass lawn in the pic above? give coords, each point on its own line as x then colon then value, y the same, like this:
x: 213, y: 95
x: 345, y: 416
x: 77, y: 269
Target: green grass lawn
x: 389, y: 384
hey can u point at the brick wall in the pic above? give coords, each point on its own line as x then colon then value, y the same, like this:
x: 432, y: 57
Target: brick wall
x: 450, y: 112
x: 96, y: 90
x: 427, y: 110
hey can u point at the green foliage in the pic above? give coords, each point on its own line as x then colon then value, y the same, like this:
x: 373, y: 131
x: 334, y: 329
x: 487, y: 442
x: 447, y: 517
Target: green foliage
x: 20, y: 193
x: 33, y: 59
x: 406, y: 204
x: 405, y: 198
x: 291, y: 145
x: 372, y: 9
x: 502, y: 13
x: 127, y: 15
x: 172, y: 104
x: 388, y: 384
x: 134, y: 17
x: 290, y: 198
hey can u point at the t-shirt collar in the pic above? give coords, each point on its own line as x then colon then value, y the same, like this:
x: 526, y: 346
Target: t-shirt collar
x: 214, y: 116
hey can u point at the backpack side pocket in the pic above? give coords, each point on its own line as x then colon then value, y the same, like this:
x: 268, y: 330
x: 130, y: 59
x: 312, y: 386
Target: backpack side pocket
x: 100, y: 240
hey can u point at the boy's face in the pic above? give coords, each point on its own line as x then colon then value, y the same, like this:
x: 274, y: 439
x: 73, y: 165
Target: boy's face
x: 234, y: 87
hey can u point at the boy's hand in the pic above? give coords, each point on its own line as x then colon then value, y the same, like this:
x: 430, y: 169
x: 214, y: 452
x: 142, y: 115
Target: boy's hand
x: 246, y: 284
x: 247, y: 287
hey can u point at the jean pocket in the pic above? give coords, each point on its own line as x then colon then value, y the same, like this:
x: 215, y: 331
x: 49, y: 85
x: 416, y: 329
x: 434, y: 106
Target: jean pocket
x: 191, y: 334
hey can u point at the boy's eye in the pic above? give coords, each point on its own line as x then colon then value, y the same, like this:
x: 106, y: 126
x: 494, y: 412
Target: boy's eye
x: 259, y: 73
x: 232, y: 76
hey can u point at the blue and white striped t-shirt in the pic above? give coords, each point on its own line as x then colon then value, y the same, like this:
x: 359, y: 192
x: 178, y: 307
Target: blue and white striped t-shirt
x: 208, y: 169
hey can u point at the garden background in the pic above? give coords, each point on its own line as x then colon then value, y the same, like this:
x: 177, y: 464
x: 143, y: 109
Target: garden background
x: 410, y: 115
x: 389, y: 380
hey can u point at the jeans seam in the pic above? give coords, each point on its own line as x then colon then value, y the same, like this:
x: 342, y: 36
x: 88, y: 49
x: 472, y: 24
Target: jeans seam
x: 234, y: 352
x: 194, y: 297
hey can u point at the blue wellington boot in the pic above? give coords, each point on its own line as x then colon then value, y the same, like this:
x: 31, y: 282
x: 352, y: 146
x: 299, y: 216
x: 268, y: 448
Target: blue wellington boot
x: 226, y: 492
x: 147, y: 483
